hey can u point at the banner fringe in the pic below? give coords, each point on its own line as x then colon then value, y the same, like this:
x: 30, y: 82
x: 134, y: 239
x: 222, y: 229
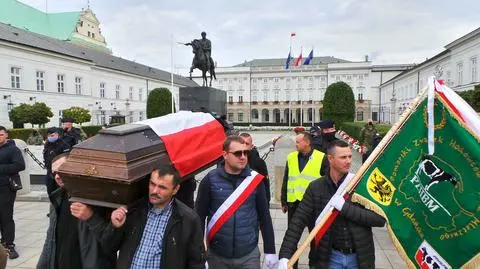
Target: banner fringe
x: 375, y: 208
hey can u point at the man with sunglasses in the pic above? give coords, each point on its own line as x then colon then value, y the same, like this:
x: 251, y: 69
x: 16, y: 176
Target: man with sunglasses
x: 303, y: 166
x: 234, y: 201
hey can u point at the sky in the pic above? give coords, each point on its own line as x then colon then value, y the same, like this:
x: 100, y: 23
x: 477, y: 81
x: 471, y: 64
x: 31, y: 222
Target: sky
x: 389, y: 31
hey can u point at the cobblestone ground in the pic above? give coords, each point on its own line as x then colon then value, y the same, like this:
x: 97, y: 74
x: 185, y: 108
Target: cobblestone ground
x: 32, y: 223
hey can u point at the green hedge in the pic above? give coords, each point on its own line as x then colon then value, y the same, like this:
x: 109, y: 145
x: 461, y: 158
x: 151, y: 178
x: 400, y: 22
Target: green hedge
x: 91, y: 130
x: 23, y: 133
x: 353, y: 129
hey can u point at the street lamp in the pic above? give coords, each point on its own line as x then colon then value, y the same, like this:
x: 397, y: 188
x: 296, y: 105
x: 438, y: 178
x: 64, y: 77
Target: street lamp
x: 32, y: 98
x: 9, y: 104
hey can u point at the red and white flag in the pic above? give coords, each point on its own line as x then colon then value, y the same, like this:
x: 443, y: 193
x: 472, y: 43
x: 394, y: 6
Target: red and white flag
x: 233, y: 202
x: 192, y: 139
x: 461, y: 108
x: 298, y: 62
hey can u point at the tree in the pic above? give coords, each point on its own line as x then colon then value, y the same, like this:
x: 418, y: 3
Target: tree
x: 159, y: 103
x: 20, y: 115
x: 40, y: 114
x: 339, y: 103
x: 472, y: 97
x: 80, y: 114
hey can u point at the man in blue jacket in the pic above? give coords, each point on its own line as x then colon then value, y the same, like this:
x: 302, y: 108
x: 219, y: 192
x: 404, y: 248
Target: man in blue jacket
x: 235, y: 243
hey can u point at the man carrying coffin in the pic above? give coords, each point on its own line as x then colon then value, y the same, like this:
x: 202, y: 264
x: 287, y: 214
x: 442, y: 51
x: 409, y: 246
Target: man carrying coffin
x: 161, y: 232
x: 235, y: 204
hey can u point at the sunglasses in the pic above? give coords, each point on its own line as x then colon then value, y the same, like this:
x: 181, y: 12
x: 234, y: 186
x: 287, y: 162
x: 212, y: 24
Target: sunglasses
x: 239, y: 153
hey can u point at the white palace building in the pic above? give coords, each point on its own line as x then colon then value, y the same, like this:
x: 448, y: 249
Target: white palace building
x: 263, y: 91
x: 62, y: 59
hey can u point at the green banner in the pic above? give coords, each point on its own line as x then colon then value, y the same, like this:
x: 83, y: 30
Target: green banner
x: 432, y: 203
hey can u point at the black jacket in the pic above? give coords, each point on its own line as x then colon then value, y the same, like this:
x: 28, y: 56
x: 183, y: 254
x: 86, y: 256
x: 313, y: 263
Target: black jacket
x: 359, y: 221
x: 72, y: 137
x: 83, y: 250
x: 11, y: 161
x: 182, y: 242
x: 50, y: 150
x: 258, y: 164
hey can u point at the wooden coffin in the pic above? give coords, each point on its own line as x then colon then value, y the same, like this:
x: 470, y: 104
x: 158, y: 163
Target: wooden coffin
x: 112, y: 168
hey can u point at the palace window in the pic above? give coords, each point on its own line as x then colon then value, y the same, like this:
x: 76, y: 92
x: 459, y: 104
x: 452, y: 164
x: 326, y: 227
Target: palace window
x: 40, y: 81
x: 60, y: 83
x: 15, y: 77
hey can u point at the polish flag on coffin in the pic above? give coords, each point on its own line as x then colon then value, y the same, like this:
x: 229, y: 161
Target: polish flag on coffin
x: 192, y: 139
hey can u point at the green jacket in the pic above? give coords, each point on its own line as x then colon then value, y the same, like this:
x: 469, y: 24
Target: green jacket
x: 366, y: 135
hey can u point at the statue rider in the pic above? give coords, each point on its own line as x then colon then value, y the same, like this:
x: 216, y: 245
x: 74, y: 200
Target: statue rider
x: 206, y: 47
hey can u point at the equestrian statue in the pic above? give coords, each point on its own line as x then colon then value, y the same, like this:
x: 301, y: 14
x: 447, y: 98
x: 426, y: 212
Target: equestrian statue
x: 202, y: 49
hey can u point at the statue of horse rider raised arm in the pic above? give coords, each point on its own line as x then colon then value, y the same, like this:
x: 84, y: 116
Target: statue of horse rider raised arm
x: 202, y: 48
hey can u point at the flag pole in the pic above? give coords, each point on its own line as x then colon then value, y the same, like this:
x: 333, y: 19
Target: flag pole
x: 330, y: 213
x: 290, y: 77
x: 171, y: 72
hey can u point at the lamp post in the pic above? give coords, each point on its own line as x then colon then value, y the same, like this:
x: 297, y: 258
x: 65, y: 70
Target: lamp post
x: 9, y: 104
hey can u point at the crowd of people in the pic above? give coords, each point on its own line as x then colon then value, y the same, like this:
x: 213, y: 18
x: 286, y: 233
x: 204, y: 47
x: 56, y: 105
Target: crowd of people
x: 219, y: 229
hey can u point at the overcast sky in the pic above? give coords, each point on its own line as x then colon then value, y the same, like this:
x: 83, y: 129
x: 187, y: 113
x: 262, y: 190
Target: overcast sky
x: 390, y: 31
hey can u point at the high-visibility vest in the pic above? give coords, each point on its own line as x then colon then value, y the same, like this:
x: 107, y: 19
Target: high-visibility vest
x: 298, y: 181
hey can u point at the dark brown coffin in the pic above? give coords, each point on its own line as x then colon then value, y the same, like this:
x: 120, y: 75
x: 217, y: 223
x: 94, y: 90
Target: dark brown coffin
x: 112, y: 168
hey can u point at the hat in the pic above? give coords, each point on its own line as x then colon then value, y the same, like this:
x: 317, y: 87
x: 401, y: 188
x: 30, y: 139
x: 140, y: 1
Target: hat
x: 299, y: 129
x: 314, y: 129
x: 52, y: 130
x: 326, y: 124
x: 68, y: 120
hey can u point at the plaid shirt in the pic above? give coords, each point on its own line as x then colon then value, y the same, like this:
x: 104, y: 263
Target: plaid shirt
x: 149, y: 253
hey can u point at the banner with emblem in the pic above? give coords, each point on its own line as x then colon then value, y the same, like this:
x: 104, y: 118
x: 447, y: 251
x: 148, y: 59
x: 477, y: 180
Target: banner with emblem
x: 431, y: 202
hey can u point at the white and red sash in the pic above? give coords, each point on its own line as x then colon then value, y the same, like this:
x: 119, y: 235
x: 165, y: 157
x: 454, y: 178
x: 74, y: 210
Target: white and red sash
x: 233, y: 202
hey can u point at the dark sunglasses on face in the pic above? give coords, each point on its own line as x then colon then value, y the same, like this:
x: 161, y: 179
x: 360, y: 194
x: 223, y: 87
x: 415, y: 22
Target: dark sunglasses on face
x: 239, y: 153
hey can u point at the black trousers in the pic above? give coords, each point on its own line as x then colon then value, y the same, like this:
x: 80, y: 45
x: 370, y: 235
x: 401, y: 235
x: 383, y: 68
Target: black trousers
x: 292, y: 207
x: 7, y: 225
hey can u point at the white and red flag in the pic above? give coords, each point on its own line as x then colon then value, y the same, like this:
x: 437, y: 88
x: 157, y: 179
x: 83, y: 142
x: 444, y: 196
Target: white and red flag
x: 192, y: 139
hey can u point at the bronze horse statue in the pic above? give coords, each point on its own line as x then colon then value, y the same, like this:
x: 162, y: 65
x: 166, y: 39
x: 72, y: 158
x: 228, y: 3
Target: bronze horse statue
x: 201, y: 62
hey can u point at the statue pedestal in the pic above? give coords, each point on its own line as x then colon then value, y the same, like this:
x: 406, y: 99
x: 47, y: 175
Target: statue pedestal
x: 203, y: 99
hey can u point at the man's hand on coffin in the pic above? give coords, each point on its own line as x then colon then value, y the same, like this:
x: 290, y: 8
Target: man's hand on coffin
x: 81, y: 211
x: 118, y: 217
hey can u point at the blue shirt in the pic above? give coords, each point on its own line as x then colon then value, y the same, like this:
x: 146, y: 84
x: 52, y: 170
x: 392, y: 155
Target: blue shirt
x: 149, y: 253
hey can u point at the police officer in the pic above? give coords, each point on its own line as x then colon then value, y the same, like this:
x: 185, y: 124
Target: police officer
x: 53, y: 147
x: 71, y: 135
x: 303, y: 166
x: 328, y: 133
x: 315, y: 132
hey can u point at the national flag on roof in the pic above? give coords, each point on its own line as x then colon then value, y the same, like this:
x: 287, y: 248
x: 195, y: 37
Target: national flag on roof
x: 292, y: 34
x: 289, y: 58
x: 309, y: 58
x: 298, y: 62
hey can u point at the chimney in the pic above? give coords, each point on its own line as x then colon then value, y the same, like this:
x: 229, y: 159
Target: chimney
x: 366, y: 57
